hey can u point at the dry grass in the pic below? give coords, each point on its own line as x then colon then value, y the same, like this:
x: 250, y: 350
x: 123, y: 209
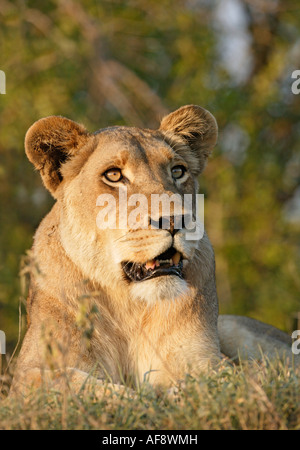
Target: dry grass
x: 249, y: 397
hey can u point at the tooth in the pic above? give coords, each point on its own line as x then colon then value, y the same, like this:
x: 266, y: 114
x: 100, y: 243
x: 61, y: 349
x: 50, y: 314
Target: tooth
x: 150, y: 264
x: 176, y: 258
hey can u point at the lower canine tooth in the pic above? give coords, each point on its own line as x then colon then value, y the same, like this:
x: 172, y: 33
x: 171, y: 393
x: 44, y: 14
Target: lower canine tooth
x: 176, y: 258
x: 150, y: 264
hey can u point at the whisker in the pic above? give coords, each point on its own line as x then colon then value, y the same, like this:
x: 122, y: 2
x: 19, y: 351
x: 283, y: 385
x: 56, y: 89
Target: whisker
x: 121, y: 237
x: 126, y: 264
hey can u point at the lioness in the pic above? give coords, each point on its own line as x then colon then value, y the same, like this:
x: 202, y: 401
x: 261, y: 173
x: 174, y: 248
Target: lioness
x: 147, y: 295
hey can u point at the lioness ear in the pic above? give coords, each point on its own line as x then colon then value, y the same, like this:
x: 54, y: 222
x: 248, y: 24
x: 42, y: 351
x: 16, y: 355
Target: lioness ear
x: 49, y: 143
x: 197, y: 127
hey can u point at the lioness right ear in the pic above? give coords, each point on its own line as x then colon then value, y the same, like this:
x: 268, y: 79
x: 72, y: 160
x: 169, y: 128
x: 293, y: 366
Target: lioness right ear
x: 50, y: 142
x: 197, y: 128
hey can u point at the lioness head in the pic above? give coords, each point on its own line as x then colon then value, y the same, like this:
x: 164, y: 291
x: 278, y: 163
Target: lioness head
x: 101, y: 181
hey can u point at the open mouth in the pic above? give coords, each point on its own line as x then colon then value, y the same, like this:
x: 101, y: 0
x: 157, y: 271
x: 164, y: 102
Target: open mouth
x: 167, y: 263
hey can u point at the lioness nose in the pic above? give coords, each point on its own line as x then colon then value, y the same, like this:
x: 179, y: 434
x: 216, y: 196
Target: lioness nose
x: 173, y: 223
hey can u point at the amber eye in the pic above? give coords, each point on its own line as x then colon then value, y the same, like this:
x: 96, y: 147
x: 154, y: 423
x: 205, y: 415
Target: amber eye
x: 178, y: 172
x: 113, y: 175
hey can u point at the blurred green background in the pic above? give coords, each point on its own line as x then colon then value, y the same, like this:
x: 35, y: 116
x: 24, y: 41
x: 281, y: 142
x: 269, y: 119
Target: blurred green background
x: 129, y: 62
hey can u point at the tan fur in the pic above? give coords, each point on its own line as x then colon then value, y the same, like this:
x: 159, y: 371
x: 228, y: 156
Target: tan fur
x: 84, y: 317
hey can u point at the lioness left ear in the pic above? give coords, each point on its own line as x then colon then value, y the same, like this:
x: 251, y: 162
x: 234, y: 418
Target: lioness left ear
x: 197, y: 127
x: 49, y: 143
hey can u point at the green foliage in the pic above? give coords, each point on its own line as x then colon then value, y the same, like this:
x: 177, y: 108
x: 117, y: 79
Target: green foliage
x: 112, y: 62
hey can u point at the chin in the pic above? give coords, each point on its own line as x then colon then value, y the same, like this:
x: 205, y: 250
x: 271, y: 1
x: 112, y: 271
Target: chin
x: 165, y: 289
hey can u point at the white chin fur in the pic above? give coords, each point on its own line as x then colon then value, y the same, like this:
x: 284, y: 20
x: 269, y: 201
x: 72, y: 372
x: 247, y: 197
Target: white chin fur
x: 164, y: 288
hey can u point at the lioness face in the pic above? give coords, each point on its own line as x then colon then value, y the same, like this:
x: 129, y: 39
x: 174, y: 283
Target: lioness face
x: 129, y: 164
x: 108, y: 179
